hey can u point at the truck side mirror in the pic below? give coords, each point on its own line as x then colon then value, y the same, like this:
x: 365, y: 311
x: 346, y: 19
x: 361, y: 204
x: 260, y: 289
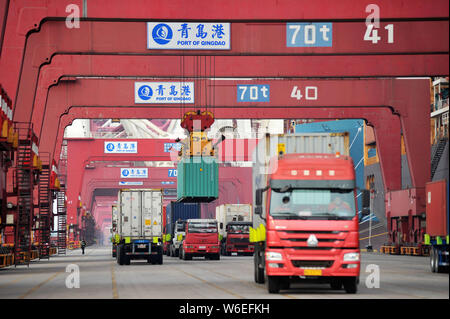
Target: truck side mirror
x: 258, y: 196
x: 221, y: 225
x: 258, y: 210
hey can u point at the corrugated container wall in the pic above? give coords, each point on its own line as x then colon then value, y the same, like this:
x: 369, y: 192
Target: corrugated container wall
x: 437, y: 211
x: 140, y: 213
x: 198, y: 179
x: 323, y: 143
x: 183, y: 211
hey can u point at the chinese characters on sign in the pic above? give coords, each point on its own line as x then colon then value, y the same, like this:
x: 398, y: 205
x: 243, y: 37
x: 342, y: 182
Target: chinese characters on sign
x: 120, y: 147
x: 188, y: 35
x: 134, y: 172
x: 163, y: 92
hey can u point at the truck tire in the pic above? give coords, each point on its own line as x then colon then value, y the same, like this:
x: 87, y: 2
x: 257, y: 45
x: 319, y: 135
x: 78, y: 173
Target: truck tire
x: 180, y: 253
x: 120, y: 254
x: 433, y: 259
x: 159, y: 259
x: 336, y: 284
x: 214, y: 257
x: 350, y: 285
x: 258, y: 272
x: 273, y: 284
x: 187, y: 256
x: 127, y: 260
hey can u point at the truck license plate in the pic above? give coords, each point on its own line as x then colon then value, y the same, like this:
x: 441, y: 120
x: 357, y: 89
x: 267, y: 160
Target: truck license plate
x: 141, y: 246
x: 313, y: 272
x: 201, y: 247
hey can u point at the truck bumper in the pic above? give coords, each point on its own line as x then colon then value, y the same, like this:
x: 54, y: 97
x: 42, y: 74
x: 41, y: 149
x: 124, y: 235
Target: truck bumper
x: 201, y: 250
x: 312, y: 265
x: 241, y: 249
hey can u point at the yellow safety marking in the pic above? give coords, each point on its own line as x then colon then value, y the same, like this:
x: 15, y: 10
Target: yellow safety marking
x: 155, y: 223
x: 41, y: 284
x: 148, y: 222
x: 114, y: 284
x: 373, y: 236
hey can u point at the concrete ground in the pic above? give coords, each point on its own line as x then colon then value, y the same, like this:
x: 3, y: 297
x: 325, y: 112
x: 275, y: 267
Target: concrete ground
x: 231, y: 278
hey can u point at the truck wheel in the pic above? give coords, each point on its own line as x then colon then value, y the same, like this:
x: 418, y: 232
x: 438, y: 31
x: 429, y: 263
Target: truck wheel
x: 214, y: 257
x: 273, y: 284
x: 350, y: 285
x: 187, y: 256
x: 159, y: 260
x: 180, y: 253
x: 258, y: 272
x: 120, y: 253
x: 127, y: 259
x: 336, y: 284
x: 432, y: 259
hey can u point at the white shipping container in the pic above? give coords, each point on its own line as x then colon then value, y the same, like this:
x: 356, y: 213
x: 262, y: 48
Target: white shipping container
x: 232, y: 212
x: 140, y: 213
x: 306, y: 143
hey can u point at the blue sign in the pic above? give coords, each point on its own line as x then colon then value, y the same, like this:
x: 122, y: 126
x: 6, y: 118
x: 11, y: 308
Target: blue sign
x: 188, y: 35
x: 168, y: 183
x: 253, y: 93
x: 145, y: 92
x: 163, y: 92
x: 169, y: 147
x: 315, y: 34
x: 120, y: 147
x: 172, y: 172
x: 162, y: 33
x: 134, y: 172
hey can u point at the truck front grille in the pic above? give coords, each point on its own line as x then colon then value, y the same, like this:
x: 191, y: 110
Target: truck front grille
x: 312, y: 263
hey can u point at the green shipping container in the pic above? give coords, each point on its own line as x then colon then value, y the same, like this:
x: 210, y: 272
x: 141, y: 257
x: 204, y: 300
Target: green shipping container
x: 198, y: 179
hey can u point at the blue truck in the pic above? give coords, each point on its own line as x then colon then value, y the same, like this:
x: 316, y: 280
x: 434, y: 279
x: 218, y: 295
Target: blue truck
x: 437, y: 219
x: 176, y: 214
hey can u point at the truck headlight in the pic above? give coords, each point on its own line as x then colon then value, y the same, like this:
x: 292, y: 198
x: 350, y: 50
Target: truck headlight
x: 273, y: 256
x: 351, y: 257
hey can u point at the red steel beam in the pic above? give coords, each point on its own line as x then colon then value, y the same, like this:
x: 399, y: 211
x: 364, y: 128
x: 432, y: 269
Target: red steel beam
x: 129, y: 38
x: 28, y: 15
x: 406, y: 97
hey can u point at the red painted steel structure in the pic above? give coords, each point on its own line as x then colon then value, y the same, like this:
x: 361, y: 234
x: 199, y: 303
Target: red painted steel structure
x: 284, y: 10
x: 360, y: 99
x: 97, y: 37
x: 27, y: 15
x: 82, y: 171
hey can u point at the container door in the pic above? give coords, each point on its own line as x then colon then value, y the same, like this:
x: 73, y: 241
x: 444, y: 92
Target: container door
x: 126, y: 213
x: 152, y: 214
x: 136, y: 228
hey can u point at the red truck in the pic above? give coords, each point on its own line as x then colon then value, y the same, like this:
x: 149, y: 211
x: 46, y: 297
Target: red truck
x: 201, y: 240
x: 308, y: 227
x: 237, y: 239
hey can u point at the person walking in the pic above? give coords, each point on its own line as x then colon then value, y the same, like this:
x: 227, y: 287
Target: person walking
x: 83, y: 245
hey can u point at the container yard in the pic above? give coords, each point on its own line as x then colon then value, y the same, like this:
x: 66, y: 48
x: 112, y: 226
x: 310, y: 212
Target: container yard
x: 197, y: 152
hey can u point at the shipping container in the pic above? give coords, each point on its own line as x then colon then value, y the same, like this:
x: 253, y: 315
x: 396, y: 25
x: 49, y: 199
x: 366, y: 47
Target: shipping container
x: 183, y: 211
x: 198, y: 179
x: 271, y: 146
x: 437, y: 224
x: 139, y: 228
x: 177, y: 213
x: 140, y: 213
x: 232, y: 212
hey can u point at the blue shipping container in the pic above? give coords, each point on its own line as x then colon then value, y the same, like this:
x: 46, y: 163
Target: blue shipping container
x: 183, y: 211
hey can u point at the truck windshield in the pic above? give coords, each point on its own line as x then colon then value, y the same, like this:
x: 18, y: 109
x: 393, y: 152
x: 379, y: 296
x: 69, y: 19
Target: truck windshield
x: 244, y: 229
x: 202, y: 227
x: 312, y: 204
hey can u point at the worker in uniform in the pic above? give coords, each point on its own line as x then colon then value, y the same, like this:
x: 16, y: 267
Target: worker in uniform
x: 83, y: 245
